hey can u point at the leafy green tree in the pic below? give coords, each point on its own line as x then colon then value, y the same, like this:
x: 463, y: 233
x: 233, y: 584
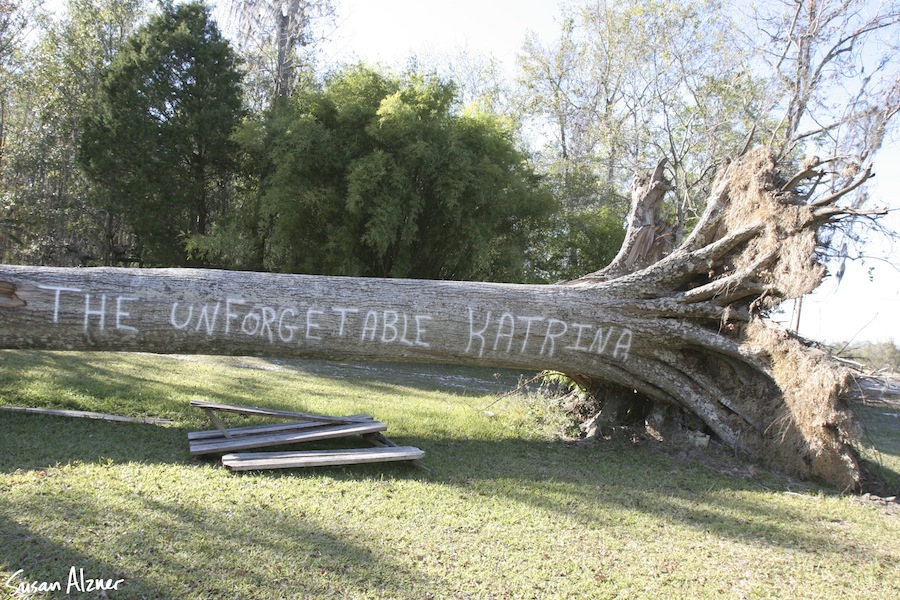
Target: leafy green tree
x: 379, y: 175
x: 575, y: 241
x: 158, y: 141
x: 12, y: 26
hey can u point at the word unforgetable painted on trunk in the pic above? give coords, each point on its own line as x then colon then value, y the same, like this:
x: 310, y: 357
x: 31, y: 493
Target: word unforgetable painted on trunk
x: 288, y: 325
x: 488, y: 334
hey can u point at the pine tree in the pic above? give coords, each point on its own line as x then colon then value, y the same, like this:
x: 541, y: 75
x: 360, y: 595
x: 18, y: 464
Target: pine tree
x: 158, y: 142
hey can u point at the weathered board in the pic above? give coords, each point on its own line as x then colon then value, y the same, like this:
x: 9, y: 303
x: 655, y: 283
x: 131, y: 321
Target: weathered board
x: 318, y: 458
x: 322, y: 427
x: 252, y: 430
x: 83, y: 414
x: 220, y: 445
x: 273, y: 412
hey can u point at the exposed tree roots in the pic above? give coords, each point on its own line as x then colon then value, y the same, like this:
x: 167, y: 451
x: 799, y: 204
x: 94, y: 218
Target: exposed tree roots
x: 762, y: 391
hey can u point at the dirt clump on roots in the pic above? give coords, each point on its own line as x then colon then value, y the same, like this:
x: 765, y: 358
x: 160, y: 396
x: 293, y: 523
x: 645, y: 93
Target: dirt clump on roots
x: 811, y: 431
x: 814, y: 429
x: 781, y: 258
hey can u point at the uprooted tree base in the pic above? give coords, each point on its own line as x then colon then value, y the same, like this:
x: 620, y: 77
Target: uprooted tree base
x: 613, y: 414
x: 768, y: 395
x: 669, y: 333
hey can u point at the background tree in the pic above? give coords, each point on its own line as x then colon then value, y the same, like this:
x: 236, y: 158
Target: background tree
x: 46, y: 192
x: 883, y: 355
x: 13, y: 22
x: 378, y: 175
x: 572, y: 242
x: 276, y: 40
x: 629, y: 83
x: 834, y: 89
x: 158, y: 141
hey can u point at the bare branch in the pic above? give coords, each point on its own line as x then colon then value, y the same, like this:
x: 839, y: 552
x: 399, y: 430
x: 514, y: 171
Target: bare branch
x: 808, y: 173
x: 832, y: 198
x: 831, y: 213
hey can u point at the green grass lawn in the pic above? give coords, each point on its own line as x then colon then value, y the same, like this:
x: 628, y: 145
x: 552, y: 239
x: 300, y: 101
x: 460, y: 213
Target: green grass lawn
x: 507, y: 510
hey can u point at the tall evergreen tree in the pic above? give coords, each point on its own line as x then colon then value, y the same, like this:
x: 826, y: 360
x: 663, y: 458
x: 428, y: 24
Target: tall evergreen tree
x: 158, y: 142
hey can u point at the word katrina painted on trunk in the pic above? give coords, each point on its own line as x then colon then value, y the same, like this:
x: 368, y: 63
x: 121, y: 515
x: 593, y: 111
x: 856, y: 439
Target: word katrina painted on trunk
x: 506, y: 333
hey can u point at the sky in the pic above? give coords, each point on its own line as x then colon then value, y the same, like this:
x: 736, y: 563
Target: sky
x: 865, y: 304
x: 390, y: 31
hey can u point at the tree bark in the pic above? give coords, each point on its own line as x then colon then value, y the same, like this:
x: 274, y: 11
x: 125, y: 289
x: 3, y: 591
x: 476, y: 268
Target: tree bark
x: 682, y: 328
x: 240, y: 313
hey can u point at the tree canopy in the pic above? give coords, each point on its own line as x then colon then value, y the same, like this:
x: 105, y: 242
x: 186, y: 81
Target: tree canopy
x: 628, y: 83
x: 157, y: 141
x: 393, y: 162
x: 48, y: 91
x: 380, y: 175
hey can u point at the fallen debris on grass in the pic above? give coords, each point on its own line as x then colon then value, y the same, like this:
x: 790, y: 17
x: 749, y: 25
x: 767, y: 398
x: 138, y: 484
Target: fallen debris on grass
x: 301, y: 427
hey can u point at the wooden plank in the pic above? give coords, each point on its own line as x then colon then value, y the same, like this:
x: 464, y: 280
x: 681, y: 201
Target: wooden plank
x: 271, y: 412
x: 318, y: 458
x: 291, y: 437
x: 83, y: 414
x: 212, y: 434
x: 379, y: 439
x: 266, y: 428
x: 215, y: 421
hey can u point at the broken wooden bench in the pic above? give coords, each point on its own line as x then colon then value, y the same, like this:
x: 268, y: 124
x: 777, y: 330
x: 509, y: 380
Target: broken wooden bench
x: 299, y: 428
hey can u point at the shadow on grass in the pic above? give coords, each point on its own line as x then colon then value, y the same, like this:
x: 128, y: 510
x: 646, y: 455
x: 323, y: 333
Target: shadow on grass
x: 33, y: 441
x: 881, y: 430
x: 34, y: 559
x: 235, y: 551
x: 69, y: 380
x: 612, y: 485
x: 598, y: 487
x: 279, y: 552
x: 120, y: 375
x: 604, y: 486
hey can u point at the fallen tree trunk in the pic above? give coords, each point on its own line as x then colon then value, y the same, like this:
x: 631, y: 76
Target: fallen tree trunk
x: 259, y: 314
x: 682, y: 328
